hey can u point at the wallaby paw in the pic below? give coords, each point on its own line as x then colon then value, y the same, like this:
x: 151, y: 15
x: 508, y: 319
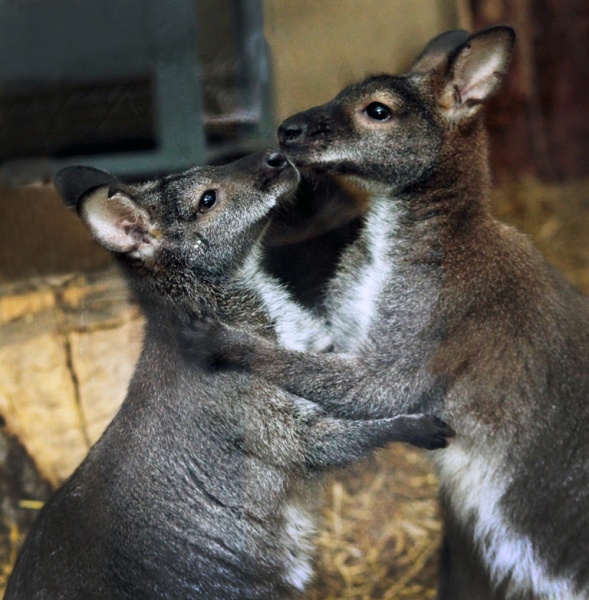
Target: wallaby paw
x: 431, y: 432
x: 199, y: 340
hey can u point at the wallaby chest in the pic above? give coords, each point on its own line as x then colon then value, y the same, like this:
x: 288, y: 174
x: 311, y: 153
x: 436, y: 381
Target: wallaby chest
x: 365, y: 268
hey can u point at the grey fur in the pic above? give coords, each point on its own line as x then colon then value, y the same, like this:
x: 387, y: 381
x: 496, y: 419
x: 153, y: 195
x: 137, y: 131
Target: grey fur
x: 466, y: 320
x: 203, y: 484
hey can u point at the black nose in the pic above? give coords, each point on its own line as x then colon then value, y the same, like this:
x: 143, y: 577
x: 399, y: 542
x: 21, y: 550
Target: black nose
x: 291, y: 130
x: 275, y: 160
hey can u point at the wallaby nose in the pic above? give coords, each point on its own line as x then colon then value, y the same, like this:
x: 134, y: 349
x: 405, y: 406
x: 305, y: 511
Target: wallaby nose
x: 275, y: 161
x: 291, y: 130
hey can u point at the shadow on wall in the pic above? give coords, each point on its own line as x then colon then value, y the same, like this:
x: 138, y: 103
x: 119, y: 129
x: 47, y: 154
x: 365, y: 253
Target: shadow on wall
x: 38, y: 236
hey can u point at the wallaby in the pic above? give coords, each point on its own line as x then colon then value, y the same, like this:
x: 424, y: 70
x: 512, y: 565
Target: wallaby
x: 439, y: 307
x: 201, y: 487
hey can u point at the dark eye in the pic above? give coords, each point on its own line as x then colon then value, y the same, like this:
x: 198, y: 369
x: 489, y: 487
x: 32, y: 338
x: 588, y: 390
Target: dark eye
x: 207, y: 200
x: 378, y: 111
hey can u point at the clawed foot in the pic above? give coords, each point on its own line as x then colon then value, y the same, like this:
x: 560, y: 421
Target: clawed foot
x: 439, y: 434
x: 432, y: 432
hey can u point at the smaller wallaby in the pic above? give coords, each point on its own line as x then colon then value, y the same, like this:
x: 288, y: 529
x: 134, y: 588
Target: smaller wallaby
x: 201, y: 487
x: 441, y: 308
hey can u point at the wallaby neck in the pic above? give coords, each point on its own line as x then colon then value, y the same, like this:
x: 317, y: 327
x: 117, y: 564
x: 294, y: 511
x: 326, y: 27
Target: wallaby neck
x: 164, y: 319
x: 172, y: 301
x: 455, y: 193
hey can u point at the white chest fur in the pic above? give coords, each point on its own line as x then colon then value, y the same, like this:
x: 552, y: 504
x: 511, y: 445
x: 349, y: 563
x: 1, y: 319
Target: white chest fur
x: 296, y: 328
x: 356, y: 290
x: 475, y: 486
x: 300, y: 529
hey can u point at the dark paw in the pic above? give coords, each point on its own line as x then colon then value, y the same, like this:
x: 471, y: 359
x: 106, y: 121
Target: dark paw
x: 434, y: 432
x: 199, y: 341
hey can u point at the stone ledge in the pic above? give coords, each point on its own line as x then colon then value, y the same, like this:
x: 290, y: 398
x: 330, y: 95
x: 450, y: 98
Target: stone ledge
x: 69, y: 347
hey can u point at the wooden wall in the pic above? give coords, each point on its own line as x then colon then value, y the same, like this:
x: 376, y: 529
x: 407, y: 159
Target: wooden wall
x: 319, y: 47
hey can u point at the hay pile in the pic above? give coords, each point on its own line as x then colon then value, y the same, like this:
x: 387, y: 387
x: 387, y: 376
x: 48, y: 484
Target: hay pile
x: 381, y: 530
x: 557, y: 219
x: 10, y: 539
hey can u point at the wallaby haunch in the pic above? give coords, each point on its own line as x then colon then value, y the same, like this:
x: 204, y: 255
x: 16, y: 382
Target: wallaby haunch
x: 200, y: 486
x: 438, y: 307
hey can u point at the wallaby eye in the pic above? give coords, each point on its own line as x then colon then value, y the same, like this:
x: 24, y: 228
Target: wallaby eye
x: 378, y: 111
x: 207, y: 200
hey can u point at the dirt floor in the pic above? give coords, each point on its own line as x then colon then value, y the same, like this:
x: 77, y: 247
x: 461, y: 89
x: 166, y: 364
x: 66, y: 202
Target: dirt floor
x: 381, y: 528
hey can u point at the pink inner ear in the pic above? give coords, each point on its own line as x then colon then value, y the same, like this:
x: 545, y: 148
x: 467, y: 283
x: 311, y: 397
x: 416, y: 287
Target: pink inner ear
x: 116, y: 222
x: 133, y: 228
x: 479, y: 68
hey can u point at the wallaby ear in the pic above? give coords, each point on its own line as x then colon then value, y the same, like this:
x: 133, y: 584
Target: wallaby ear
x: 475, y: 71
x: 72, y: 183
x: 114, y: 218
x: 438, y: 50
x: 117, y: 222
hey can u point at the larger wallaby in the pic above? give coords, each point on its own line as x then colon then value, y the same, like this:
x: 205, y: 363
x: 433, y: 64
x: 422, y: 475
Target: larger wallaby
x: 201, y: 487
x: 439, y: 307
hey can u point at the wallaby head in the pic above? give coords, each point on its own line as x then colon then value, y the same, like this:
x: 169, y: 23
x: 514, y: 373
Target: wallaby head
x: 396, y: 130
x: 175, y: 231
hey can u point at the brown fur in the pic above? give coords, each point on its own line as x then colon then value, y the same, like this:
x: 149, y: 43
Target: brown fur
x: 437, y: 306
